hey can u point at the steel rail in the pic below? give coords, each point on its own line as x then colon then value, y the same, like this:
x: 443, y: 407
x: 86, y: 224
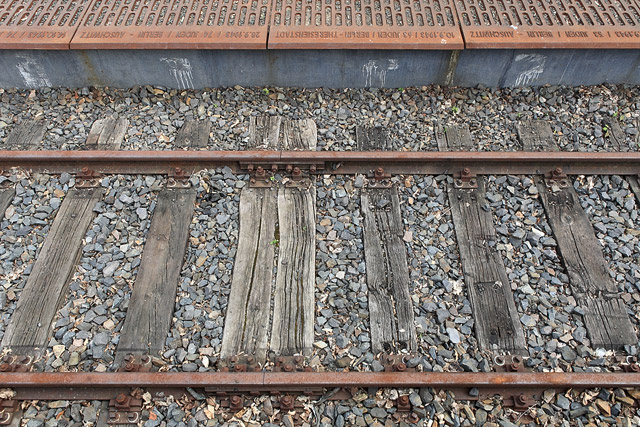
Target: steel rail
x: 36, y: 385
x: 328, y: 162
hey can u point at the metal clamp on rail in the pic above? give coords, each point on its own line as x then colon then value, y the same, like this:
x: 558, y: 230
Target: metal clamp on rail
x: 291, y: 175
x: 8, y: 410
x: 134, y: 363
x: 178, y: 178
x: 557, y: 177
x: 124, y: 410
x: 15, y: 363
x: 87, y: 178
x: 379, y: 178
x: 465, y: 179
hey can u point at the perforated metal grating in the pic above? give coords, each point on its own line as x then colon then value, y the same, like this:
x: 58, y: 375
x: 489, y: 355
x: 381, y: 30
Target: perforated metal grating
x: 167, y: 24
x: 357, y: 24
x: 550, y: 23
x: 39, y: 24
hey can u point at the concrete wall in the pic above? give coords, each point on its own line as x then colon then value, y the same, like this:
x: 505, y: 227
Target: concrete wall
x: 315, y: 68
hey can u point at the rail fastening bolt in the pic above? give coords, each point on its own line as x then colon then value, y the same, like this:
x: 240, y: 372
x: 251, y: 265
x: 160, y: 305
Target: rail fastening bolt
x: 121, y: 399
x: 401, y: 367
x: 286, y: 401
x: 287, y: 367
x: 466, y: 171
x: 5, y: 367
x: 557, y: 171
x: 236, y: 400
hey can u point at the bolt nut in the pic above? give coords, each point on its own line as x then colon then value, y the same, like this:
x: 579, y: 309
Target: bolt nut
x: 466, y: 171
x: 121, y: 399
x: 401, y: 367
x: 286, y: 402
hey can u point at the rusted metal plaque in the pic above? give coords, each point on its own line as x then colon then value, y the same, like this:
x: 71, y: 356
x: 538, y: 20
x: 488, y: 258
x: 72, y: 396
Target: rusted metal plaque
x: 39, y: 24
x: 364, y: 24
x: 174, y: 24
x: 578, y: 24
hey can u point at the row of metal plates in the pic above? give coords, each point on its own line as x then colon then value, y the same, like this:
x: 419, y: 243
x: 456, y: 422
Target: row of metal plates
x: 318, y: 24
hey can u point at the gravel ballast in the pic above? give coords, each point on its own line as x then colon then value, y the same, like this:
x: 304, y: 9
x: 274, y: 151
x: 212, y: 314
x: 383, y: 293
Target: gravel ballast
x: 580, y: 116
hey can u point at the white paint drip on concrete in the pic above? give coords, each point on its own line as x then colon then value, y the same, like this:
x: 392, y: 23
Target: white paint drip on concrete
x: 375, y: 72
x: 535, y: 66
x: 181, y: 71
x: 32, y: 72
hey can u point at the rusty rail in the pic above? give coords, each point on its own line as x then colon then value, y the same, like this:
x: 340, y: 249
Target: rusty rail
x: 79, y: 385
x: 327, y: 162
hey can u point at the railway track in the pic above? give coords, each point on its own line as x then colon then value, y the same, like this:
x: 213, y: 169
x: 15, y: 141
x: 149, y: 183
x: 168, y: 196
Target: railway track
x: 330, y: 283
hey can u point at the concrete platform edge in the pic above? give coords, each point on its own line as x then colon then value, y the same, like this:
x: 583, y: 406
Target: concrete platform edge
x: 182, y: 69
